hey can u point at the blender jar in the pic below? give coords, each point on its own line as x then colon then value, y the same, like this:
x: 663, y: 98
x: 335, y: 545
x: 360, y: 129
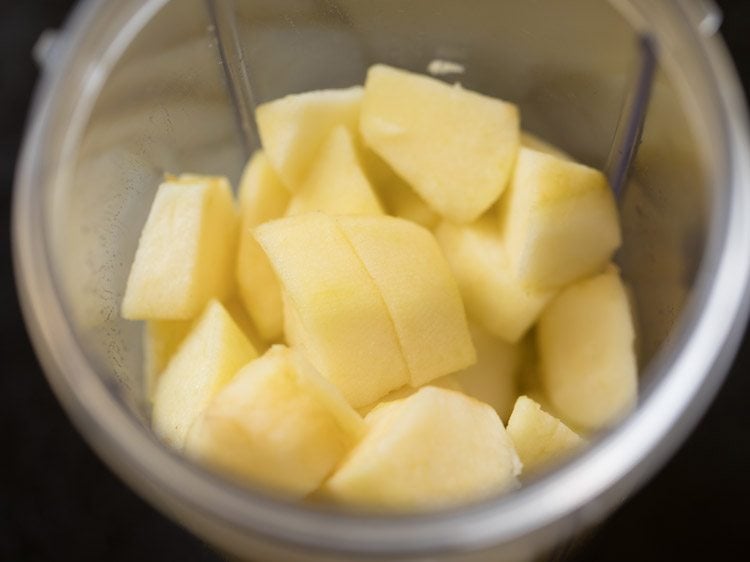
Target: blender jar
x: 137, y: 88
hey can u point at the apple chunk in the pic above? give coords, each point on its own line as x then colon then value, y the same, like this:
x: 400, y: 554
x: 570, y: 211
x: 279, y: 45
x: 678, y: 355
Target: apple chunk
x: 186, y: 251
x: 278, y: 423
x: 419, y: 292
x: 558, y: 220
x: 336, y: 183
x: 436, y: 448
x: 494, y: 296
x: 587, y: 360
x: 207, y: 359
x: 455, y: 147
x: 493, y: 379
x: 539, y: 437
x: 347, y: 330
x: 262, y: 198
x: 293, y: 128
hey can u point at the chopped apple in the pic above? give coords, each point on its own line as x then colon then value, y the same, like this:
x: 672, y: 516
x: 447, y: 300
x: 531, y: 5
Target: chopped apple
x: 262, y: 195
x: 539, y: 437
x: 293, y: 128
x: 258, y: 286
x: 493, y: 379
x: 349, y: 335
x: 587, y: 362
x: 419, y: 292
x: 449, y: 382
x: 161, y: 338
x: 455, y: 147
x: 184, y: 256
x: 435, y: 448
x: 239, y: 314
x: 398, y: 196
x: 278, y: 423
x: 493, y: 295
x: 262, y: 198
x: 558, y: 220
x: 336, y: 183
x: 207, y: 359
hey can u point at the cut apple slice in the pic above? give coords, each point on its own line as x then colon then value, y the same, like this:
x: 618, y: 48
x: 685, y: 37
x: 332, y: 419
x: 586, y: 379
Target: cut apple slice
x: 587, y: 362
x: 262, y: 198
x: 455, y: 147
x: 336, y: 183
x: 208, y: 358
x: 558, y: 220
x: 293, y: 128
x: 539, y: 437
x: 398, y: 196
x: 161, y: 338
x: 419, y: 291
x: 278, y: 423
x: 186, y: 251
x: 436, y: 448
x: 493, y: 295
x: 348, y: 333
x: 493, y: 379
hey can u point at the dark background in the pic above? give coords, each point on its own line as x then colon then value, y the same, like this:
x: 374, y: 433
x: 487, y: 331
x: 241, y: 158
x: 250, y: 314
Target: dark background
x: 59, y: 502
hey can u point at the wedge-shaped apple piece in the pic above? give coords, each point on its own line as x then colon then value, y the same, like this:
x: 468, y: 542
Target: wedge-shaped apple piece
x: 207, y: 359
x: 293, y: 128
x: 493, y: 295
x: 448, y: 382
x: 586, y: 358
x: 348, y: 333
x: 539, y: 437
x: 262, y: 198
x: 558, y: 220
x: 186, y: 251
x: 419, y: 291
x: 262, y: 195
x: 278, y: 423
x: 238, y: 312
x: 493, y: 379
x: 433, y: 449
x: 398, y: 196
x: 455, y: 147
x: 161, y: 339
x: 336, y: 183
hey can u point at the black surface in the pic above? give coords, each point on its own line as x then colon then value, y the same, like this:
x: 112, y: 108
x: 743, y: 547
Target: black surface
x: 59, y: 502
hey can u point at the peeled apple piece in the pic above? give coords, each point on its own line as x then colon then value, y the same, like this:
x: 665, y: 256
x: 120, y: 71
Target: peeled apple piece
x: 422, y: 298
x: 493, y: 295
x: 455, y: 147
x: 539, y: 437
x: 262, y: 198
x: 346, y: 327
x: 336, y: 183
x: 493, y: 379
x: 278, y: 423
x: 398, y: 196
x: 436, y: 448
x: 587, y: 361
x: 558, y: 221
x: 161, y: 338
x: 262, y: 195
x: 186, y: 250
x: 293, y: 128
x: 207, y: 359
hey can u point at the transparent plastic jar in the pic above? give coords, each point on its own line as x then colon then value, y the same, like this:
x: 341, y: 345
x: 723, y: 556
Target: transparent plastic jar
x: 134, y: 88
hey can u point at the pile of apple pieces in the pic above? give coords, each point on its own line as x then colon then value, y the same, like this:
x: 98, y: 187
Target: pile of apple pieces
x: 276, y: 323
